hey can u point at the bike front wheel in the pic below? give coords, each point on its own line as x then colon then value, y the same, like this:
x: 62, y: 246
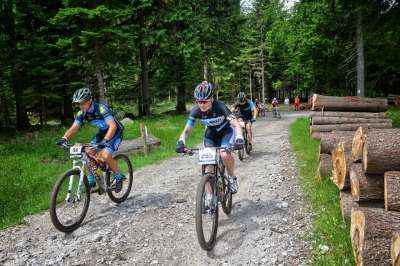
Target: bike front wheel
x: 263, y: 112
x: 278, y: 114
x: 125, y: 168
x: 227, y: 203
x: 246, y: 142
x: 67, y: 208
x: 206, y: 217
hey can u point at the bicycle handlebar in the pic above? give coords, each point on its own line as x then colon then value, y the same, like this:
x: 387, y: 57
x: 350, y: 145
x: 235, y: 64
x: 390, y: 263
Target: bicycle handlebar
x: 95, y: 147
x: 191, y: 151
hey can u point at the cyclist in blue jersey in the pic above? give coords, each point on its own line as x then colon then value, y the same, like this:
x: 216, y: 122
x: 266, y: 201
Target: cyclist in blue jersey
x: 223, y: 129
x: 248, y: 111
x: 110, y: 132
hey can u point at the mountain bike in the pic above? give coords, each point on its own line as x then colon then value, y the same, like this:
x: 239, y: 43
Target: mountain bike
x: 261, y: 110
x: 243, y: 124
x: 216, y: 183
x: 70, y: 197
x: 276, y: 112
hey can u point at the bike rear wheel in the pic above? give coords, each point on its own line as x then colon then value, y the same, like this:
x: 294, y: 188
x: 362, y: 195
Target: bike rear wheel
x: 125, y: 168
x: 263, y: 112
x: 206, y: 219
x: 68, y: 212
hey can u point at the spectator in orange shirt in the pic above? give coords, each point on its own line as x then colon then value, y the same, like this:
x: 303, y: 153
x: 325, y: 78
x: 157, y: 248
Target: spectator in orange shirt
x: 296, y: 103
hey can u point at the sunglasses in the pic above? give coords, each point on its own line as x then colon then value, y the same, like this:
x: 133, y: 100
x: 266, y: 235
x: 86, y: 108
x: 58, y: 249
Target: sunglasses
x: 203, y: 102
x: 82, y: 103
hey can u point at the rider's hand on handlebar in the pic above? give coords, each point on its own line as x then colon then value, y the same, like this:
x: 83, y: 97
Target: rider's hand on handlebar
x: 61, y: 142
x: 103, y: 143
x: 253, y: 120
x: 180, y: 146
x: 239, y: 142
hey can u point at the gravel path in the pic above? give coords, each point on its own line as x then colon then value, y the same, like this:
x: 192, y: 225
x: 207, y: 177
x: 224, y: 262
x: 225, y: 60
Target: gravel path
x: 156, y: 225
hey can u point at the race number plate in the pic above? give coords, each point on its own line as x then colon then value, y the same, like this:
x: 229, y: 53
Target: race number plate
x: 207, y: 155
x: 75, y: 151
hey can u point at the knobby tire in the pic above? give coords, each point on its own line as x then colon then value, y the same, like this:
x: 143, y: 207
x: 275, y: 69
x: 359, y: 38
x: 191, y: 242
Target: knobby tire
x: 68, y: 214
x: 206, y: 220
x: 125, y: 168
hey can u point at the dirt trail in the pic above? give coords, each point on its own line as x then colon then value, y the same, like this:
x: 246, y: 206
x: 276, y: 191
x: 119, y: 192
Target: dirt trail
x: 156, y: 225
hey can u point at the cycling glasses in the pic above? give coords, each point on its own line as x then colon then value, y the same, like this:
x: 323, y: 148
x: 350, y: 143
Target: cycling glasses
x: 203, y: 102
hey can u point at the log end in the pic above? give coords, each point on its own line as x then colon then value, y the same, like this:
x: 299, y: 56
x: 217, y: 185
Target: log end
x: 395, y: 250
x: 357, y: 228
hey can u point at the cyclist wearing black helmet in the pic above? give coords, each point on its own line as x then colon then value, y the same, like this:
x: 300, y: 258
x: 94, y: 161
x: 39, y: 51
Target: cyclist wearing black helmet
x: 110, y: 132
x: 223, y: 129
x: 248, y: 111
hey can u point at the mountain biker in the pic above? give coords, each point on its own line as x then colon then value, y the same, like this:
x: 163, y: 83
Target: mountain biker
x: 296, y: 103
x: 274, y: 104
x: 110, y: 132
x: 222, y: 129
x: 248, y: 112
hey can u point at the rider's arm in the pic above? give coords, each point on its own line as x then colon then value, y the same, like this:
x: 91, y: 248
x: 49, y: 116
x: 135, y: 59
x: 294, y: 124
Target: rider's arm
x: 237, y: 126
x: 71, y: 131
x: 255, y: 110
x: 186, y: 132
x: 112, y: 127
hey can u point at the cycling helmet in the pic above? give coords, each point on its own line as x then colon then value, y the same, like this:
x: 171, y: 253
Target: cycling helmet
x: 241, y: 97
x: 82, y: 95
x: 203, y: 91
x: 256, y: 100
x: 274, y: 99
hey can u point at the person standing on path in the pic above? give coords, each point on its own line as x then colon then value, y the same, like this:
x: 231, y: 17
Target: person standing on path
x: 296, y: 103
x: 286, y: 102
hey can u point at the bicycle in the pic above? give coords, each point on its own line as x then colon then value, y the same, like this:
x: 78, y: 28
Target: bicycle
x: 215, y: 182
x: 261, y: 109
x: 243, y: 124
x: 70, y: 197
x: 276, y: 112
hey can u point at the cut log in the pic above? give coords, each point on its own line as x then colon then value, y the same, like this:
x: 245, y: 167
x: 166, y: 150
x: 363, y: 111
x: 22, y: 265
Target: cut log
x: 341, y: 167
x: 391, y: 190
x: 347, y: 203
x: 317, y: 135
x: 395, y: 250
x: 370, y: 233
x: 325, y: 166
x: 352, y: 104
x: 381, y: 151
x: 365, y: 187
x: 379, y: 115
x: 346, y: 120
x: 330, y: 140
x: 348, y: 127
x: 356, y: 145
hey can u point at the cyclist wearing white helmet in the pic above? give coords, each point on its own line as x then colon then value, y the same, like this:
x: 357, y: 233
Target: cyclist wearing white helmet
x: 248, y: 111
x: 223, y: 129
x: 110, y: 132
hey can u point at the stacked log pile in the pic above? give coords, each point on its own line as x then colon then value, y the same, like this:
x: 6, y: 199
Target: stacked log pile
x: 347, y: 114
x: 366, y: 169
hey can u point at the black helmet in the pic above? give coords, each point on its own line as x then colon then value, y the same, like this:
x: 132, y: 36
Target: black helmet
x: 241, y: 97
x: 82, y: 95
x: 203, y: 91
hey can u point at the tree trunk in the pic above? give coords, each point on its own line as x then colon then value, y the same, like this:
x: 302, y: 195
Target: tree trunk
x: 341, y: 167
x: 380, y: 115
x: 325, y: 166
x: 365, y: 187
x: 360, y: 56
x: 348, y: 127
x: 356, y: 145
x: 333, y: 103
x: 144, y: 103
x: 391, y: 190
x: 347, y: 120
x: 99, y: 72
x: 381, y: 151
x: 370, y: 233
x: 347, y: 203
x: 395, y: 249
x: 330, y: 140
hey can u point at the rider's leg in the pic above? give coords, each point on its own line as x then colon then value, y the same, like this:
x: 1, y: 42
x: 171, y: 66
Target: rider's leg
x: 229, y: 163
x: 249, y: 132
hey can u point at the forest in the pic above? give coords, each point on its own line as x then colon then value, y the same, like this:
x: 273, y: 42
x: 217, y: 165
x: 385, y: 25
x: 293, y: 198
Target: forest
x: 134, y: 54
